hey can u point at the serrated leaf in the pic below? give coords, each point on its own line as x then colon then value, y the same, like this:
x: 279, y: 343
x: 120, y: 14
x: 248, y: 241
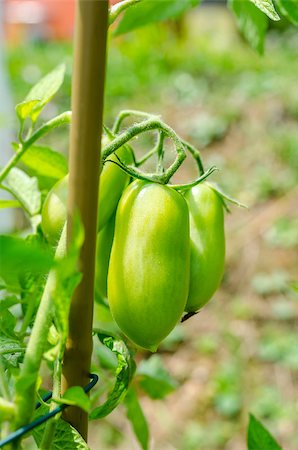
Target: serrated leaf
x: 149, y: 11
x: 77, y: 397
x: 66, y: 437
x: 9, y: 204
x: 44, y: 91
x: 25, y: 109
x: 124, y: 373
x: 137, y: 419
x: 251, y: 22
x: 24, y: 189
x: 289, y: 8
x: 258, y: 437
x: 267, y: 7
x: 155, y: 379
x: 45, y: 162
x: 11, y: 349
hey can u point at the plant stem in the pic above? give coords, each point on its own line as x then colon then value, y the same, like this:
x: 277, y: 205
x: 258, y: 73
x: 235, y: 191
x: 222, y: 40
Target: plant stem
x: 129, y: 112
x: 50, y: 428
x: 62, y: 119
x: 4, y: 388
x: 27, y: 381
x: 86, y: 128
x: 148, y: 125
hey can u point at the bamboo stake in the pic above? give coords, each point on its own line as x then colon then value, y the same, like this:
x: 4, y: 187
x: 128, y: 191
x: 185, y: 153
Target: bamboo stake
x: 87, y: 109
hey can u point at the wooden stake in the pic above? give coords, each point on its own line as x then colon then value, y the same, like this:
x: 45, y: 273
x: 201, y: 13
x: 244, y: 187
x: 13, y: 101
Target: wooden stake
x: 84, y: 161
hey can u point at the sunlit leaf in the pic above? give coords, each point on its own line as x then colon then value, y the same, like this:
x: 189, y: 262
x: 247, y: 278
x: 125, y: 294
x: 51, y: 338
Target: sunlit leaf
x: 149, y: 11
x: 45, y: 162
x: 43, y: 91
x: 24, y: 189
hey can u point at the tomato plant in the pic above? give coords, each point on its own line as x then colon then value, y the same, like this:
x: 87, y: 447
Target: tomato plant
x: 160, y: 265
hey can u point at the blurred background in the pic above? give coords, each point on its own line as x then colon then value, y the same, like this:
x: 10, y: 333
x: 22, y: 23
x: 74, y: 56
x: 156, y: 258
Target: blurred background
x: 240, y: 354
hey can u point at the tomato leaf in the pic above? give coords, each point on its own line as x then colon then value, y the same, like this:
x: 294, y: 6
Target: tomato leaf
x: 25, y: 109
x: 149, y: 11
x: 155, y: 379
x: 65, y: 435
x: 251, y: 22
x: 258, y: 437
x: 124, y: 373
x: 76, y: 396
x: 24, y: 189
x: 289, y: 8
x: 41, y: 94
x: 45, y: 162
x: 267, y: 7
x: 19, y: 256
x: 137, y: 419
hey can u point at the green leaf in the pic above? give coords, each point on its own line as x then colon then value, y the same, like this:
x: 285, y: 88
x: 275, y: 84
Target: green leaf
x: 124, y: 373
x: 9, y: 204
x: 19, y: 256
x: 149, y: 11
x: 43, y: 91
x: 155, y: 379
x: 289, y: 8
x: 66, y: 437
x: 45, y: 162
x: 137, y: 419
x: 258, y: 438
x: 251, y: 22
x: 77, y: 397
x: 25, y: 109
x: 24, y: 189
x: 12, y: 350
x: 267, y: 7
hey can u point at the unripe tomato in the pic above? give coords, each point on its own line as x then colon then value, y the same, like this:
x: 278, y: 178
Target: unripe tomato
x: 148, y: 276
x: 112, y: 182
x: 207, y: 243
x: 103, y: 252
x: 53, y: 214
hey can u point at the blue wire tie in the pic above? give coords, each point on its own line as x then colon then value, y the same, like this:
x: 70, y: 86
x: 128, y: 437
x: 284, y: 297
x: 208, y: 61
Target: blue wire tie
x: 25, y: 429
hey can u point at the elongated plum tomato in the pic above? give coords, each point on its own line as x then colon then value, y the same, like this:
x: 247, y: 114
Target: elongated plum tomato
x: 112, y: 182
x: 148, y: 276
x: 207, y: 243
x: 103, y: 252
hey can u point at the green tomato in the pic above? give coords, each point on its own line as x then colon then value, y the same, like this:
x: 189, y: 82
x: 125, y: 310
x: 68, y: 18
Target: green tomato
x: 207, y: 242
x: 112, y: 182
x: 148, y: 276
x: 103, y: 252
x: 53, y: 214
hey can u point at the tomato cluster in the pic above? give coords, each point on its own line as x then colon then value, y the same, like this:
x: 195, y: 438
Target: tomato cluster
x: 160, y: 252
